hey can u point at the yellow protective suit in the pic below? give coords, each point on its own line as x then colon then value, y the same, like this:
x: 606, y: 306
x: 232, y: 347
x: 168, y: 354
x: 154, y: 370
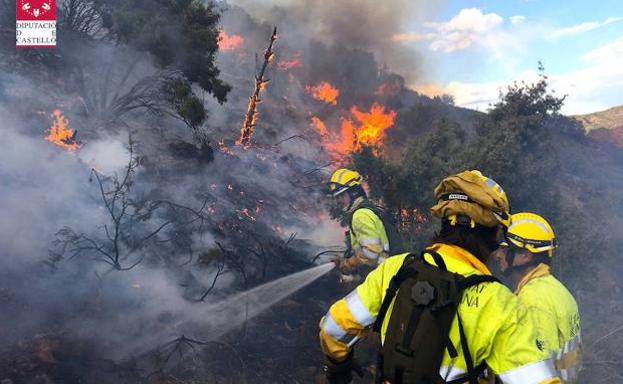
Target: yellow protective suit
x: 498, y: 328
x: 558, y: 319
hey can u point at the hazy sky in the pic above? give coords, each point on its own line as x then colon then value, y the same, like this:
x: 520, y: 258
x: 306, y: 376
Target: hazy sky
x: 472, y: 48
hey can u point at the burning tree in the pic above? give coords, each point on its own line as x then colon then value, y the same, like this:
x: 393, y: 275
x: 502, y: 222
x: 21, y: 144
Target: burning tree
x: 250, y: 119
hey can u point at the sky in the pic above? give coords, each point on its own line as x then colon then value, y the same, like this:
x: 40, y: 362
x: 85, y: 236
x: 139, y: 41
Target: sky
x: 473, y: 49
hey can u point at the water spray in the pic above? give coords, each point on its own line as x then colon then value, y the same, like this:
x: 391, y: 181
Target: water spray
x: 215, y: 320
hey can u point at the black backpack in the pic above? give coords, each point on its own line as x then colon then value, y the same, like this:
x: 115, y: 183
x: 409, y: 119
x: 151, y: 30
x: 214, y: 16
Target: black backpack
x: 396, y: 243
x: 427, y: 299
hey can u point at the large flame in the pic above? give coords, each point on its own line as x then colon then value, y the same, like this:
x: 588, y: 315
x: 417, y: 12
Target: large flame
x: 60, y: 133
x: 229, y: 42
x: 293, y: 62
x: 324, y: 92
x: 366, y: 128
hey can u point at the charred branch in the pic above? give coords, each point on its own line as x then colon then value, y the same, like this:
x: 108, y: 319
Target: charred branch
x: 250, y: 119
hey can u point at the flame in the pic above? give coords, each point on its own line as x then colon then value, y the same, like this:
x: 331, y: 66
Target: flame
x: 324, y: 92
x: 225, y: 149
x: 291, y: 63
x: 245, y: 213
x: 60, y: 133
x: 368, y: 129
x: 320, y: 126
x: 229, y: 42
x: 410, y: 220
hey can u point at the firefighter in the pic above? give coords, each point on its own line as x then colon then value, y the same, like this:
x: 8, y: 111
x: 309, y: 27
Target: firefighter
x: 372, y: 235
x: 525, y: 258
x: 488, y: 326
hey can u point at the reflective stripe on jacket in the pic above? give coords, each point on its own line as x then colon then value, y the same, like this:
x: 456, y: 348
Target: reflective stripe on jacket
x: 498, y: 328
x: 368, y: 238
x: 558, y: 319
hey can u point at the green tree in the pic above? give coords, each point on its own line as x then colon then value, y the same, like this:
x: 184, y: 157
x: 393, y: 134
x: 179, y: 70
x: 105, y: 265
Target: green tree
x: 120, y: 57
x: 517, y: 144
x: 406, y: 189
x: 182, y: 34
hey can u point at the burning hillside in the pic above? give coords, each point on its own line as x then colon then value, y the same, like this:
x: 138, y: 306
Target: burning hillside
x: 358, y: 130
x: 324, y: 92
x: 170, y: 247
x: 228, y: 43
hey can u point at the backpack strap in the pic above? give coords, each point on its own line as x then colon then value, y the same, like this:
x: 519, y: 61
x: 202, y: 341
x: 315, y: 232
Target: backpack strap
x: 472, y: 280
x: 394, y: 284
x: 396, y: 245
x: 472, y: 372
x: 366, y: 204
x: 436, y: 257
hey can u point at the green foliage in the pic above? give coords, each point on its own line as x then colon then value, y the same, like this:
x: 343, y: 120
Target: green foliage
x: 186, y: 104
x: 516, y: 143
x: 177, y: 33
x: 406, y: 188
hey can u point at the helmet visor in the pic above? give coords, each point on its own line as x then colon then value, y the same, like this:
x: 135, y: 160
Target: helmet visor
x: 334, y: 189
x: 535, y: 246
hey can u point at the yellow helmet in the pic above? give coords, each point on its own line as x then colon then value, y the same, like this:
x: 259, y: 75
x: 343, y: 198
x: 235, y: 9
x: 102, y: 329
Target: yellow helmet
x: 532, y: 232
x: 341, y: 180
x: 474, y: 195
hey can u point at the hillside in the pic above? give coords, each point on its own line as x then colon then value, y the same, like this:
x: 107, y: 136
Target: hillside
x: 605, y: 125
x: 609, y: 119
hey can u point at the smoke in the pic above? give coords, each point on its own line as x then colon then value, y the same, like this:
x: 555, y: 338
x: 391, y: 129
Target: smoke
x: 354, y: 24
x: 252, y: 202
x: 46, y: 188
x: 107, y: 155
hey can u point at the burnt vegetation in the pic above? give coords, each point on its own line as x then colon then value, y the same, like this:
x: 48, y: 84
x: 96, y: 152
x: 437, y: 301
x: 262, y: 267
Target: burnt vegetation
x: 190, y: 218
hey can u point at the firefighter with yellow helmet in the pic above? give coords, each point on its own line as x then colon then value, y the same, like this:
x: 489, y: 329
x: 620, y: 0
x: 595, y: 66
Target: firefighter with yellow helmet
x: 372, y: 235
x: 525, y: 257
x: 441, y: 316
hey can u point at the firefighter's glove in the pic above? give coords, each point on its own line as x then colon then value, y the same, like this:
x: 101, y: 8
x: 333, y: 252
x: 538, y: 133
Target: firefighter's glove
x: 346, y: 266
x: 342, y: 372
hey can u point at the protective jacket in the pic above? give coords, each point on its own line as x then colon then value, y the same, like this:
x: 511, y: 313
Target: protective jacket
x: 558, y: 319
x: 498, y: 329
x: 368, y: 237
